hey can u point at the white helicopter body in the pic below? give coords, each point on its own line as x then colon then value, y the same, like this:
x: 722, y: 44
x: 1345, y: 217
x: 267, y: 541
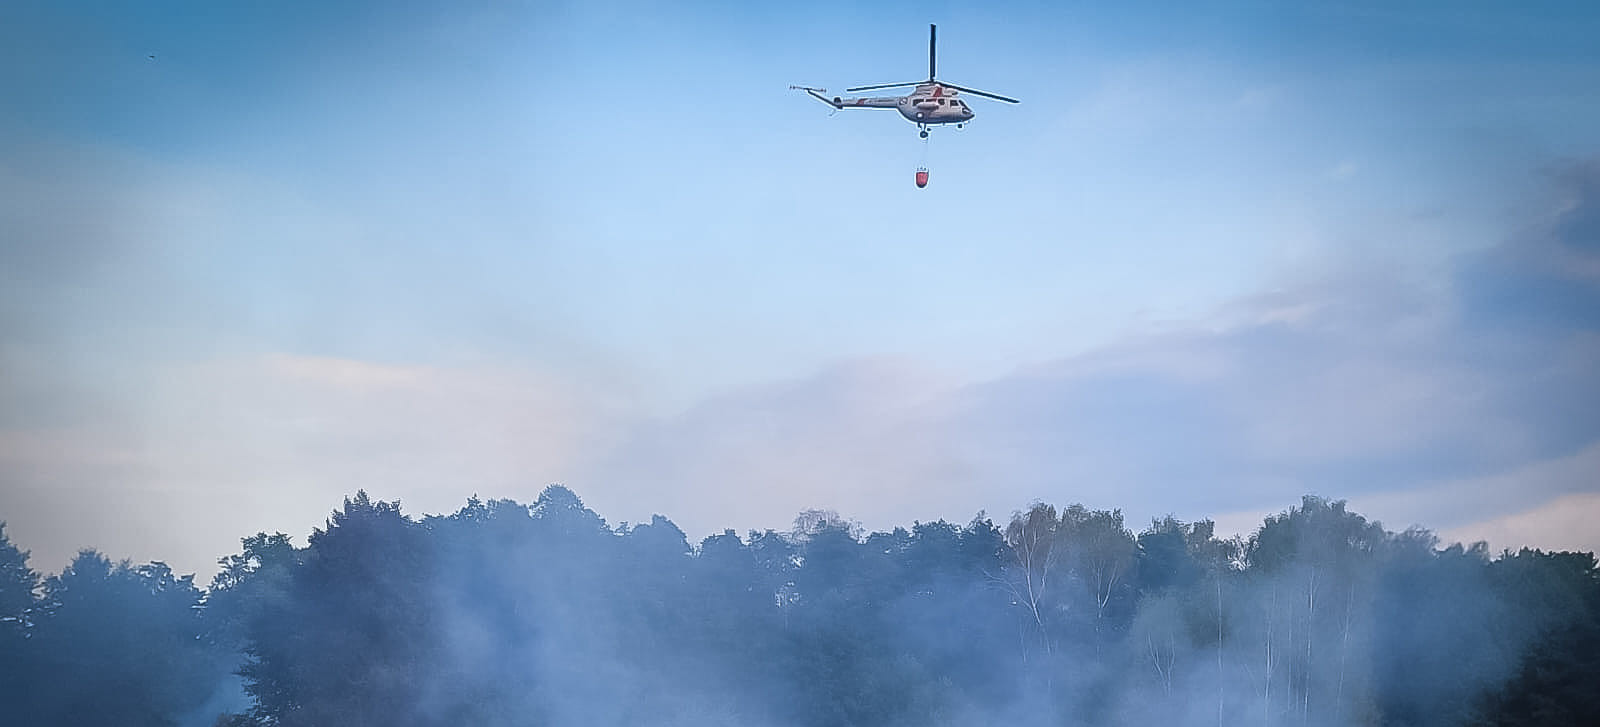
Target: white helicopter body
x: 930, y: 103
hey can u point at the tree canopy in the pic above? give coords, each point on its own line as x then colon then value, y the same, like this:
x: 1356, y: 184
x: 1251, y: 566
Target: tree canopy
x: 504, y: 613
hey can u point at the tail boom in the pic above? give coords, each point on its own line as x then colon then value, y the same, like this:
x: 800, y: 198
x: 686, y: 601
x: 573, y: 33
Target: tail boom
x: 867, y: 102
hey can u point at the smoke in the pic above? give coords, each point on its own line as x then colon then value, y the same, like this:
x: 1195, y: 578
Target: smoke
x: 546, y: 614
x: 508, y: 614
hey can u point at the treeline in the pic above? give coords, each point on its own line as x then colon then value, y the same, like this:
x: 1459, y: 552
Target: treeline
x: 544, y: 614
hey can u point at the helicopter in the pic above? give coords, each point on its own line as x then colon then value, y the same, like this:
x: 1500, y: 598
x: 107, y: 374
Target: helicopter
x: 931, y: 103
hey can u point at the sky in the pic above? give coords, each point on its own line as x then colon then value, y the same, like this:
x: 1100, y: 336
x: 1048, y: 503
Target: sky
x: 1223, y: 254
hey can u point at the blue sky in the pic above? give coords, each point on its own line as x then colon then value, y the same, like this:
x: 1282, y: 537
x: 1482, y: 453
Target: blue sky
x: 1223, y: 254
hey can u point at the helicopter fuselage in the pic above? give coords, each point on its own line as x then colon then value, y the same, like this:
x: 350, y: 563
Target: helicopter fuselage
x: 934, y: 104
x: 928, y: 105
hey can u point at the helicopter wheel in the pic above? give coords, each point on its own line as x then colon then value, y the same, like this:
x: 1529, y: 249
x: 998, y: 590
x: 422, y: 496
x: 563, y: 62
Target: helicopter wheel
x: 923, y: 133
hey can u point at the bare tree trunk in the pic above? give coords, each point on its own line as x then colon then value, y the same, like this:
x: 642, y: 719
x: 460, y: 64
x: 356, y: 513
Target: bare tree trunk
x: 1219, y: 651
x: 1266, y: 694
x: 1288, y: 654
x: 1036, y: 555
x: 1344, y: 642
x: 1305, y: 676
x: 1163, y: 661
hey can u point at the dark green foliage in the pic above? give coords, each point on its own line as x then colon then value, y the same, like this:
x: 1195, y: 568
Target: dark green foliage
x: 19, y: 587
x: 1557, y: 682
x: 343, y: 632
x: 543, y: 614
x: 18, y: 583
x: 1165, y: 560
x: 116, y: 644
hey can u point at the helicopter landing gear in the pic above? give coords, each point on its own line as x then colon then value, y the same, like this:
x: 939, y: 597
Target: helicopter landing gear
x: 923, y: 133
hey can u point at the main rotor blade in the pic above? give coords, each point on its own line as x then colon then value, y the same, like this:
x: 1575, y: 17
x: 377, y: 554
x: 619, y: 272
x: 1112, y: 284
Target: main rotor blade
x: 884, y: 85
x: 976, y: 92
x: 933, y: 35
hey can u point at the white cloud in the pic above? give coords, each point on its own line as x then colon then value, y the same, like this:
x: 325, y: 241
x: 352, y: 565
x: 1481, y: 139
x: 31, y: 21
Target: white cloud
x: 217, y: 450
x: 1362, y: 390
x: 1565, y: 523
x: 1358, y: 385
x: 1361, y: 386
x: 862, y: 437
x: 1471, y: 508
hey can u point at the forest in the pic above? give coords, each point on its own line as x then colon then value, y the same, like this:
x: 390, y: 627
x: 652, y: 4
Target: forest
x: 504, y: 613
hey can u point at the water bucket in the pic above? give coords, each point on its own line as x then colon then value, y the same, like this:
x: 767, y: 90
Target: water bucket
x: 922, y: 178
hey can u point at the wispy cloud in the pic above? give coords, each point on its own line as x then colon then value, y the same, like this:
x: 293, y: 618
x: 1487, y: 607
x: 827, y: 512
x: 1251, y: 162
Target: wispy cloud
x: 1565, y: 523
x: 381, y: 262
x: 1415, y: 399
x: 217, y: 449
x: 1471, y: 407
